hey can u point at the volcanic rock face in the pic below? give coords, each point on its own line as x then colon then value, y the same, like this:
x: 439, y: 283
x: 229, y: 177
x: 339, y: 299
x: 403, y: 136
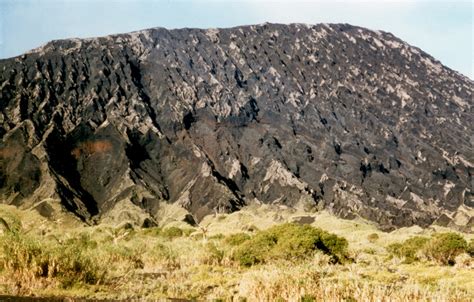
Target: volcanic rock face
x: 336, y: 116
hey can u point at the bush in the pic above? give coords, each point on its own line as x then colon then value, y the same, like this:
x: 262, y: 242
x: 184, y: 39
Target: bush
x: 153, y: 231
x: 409, y: 249
x: 172, y: 232
x: 236, y: 239
x: 289, y: 241
x: 296, y: 241
x: 255, y: 250
x: 443, y: 248
x: 333, y: 245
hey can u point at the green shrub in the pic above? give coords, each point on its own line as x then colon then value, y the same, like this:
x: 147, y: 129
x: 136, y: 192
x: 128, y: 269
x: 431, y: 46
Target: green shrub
x: 296, y: 241
x: 470, y: 248
x: 172, y: 232
x: 255, y: 250
x: 236, y: 239
x: 444, y: 247
x: 289, y: 241
x: 333, y: 245
x: 153, y: 231
x: 408, y: 249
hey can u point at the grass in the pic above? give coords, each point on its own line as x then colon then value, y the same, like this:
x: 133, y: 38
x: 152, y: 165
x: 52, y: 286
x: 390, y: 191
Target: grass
x: 33, y: 263
x: 296, y: 262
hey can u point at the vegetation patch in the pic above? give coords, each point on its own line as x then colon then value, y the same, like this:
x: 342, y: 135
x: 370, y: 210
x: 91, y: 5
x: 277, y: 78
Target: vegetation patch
x: 294, y: 262
x: 470, y: 248
x: 441, y: 248
x: 444, y: 247
x: 172, y: 232
x: 27, y: 260
x: 408, y: 250
x: 289, y: 241
x: 237, y: 239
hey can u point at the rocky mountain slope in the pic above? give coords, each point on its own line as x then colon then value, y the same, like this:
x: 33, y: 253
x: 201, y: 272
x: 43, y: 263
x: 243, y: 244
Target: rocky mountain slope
x: 331, y: 115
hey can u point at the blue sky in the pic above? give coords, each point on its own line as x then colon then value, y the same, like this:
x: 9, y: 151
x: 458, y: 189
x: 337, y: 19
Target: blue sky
x: 444, y: 29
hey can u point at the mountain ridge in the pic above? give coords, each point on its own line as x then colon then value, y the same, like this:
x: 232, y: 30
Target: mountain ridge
x: 141, y: 31
x: 213, y: 119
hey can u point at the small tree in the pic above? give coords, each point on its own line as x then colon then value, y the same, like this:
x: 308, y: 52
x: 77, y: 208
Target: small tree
x: 444, y: 247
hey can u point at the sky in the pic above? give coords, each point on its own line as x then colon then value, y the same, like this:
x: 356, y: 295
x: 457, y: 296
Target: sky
x: 442, y: 28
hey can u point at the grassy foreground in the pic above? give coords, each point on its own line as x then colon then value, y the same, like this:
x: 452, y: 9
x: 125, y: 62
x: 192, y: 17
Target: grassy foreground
x: 261, y: 253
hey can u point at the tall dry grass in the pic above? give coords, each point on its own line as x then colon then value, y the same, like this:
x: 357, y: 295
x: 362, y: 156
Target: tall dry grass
x: 160, y: 263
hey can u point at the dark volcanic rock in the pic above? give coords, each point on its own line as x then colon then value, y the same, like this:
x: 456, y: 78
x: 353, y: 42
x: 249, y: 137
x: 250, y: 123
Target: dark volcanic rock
x: 349, y: 119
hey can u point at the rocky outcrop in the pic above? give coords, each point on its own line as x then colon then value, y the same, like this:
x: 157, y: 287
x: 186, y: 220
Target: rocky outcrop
x: 344, y: 118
